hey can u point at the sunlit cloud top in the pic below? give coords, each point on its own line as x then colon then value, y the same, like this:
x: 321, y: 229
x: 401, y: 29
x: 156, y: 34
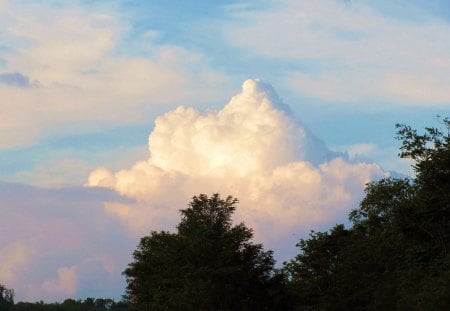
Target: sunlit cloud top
x: 253, y: 149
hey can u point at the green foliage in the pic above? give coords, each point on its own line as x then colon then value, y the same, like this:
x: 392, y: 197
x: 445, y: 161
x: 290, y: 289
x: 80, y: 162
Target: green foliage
x: 395, y: 256
x: 209, y: 264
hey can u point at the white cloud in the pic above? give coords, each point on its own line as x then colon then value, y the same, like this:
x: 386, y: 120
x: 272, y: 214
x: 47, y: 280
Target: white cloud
x: 254, y: 149
x: 353, y: 51
x: 75, y: 242
x: 78, y: 73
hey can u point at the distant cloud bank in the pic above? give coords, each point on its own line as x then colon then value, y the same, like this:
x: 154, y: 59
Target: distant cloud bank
x: 59, y: 243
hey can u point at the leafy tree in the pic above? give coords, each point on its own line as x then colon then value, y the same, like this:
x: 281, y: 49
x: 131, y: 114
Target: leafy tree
x: 6, y: 298
x: 395, y: 255
x: 431, y: 215
x: 209, y: 264
x: 313, y: 272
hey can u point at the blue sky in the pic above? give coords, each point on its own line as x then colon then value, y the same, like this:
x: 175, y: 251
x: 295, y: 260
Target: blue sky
x: 82, y: 83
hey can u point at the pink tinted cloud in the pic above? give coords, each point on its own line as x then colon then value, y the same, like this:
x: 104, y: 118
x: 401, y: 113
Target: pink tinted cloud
x: 58, y: 243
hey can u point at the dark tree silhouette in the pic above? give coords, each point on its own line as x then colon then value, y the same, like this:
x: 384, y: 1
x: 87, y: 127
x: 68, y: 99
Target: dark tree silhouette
x: 396, y: 254
x: 6, y: 298
x: 209, y: 264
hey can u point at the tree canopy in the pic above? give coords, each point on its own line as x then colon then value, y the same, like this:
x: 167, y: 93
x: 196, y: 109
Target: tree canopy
x: 208, y: 264
x: 396, y: 253
x: 6, y: 298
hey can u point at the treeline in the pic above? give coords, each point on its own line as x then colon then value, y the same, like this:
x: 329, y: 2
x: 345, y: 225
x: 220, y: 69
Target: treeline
x: 394, y: 256
x: 89, y: 304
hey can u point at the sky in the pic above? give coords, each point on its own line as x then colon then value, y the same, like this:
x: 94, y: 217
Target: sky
x: 113, y: 114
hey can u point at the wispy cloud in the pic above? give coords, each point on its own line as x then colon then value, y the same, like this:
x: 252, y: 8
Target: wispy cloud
x: 350, y: 50
x: 84, y: 75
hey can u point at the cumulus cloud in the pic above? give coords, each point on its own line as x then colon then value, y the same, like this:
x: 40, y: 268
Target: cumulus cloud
x: 60, y: 243
x: 350, y: 50
x: 56, y: 243
x: 66, y: 282
x: 254, y: 149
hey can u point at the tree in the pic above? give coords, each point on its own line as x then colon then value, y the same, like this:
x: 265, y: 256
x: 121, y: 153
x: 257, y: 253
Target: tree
x: 395, y: 255
x: 313, y: 272
x: 209, y: 264
x: 431, y: 155
x: 6, y: 298
x: 89, y: 304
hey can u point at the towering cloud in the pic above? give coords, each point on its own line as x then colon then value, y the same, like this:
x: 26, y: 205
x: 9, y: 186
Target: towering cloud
x: 75, y: 242
x: 254, y: 149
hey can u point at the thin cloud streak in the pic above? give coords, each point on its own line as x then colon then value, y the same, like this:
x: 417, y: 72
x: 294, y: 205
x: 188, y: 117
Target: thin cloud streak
x: 74, y: 56
x: 354, y: 53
